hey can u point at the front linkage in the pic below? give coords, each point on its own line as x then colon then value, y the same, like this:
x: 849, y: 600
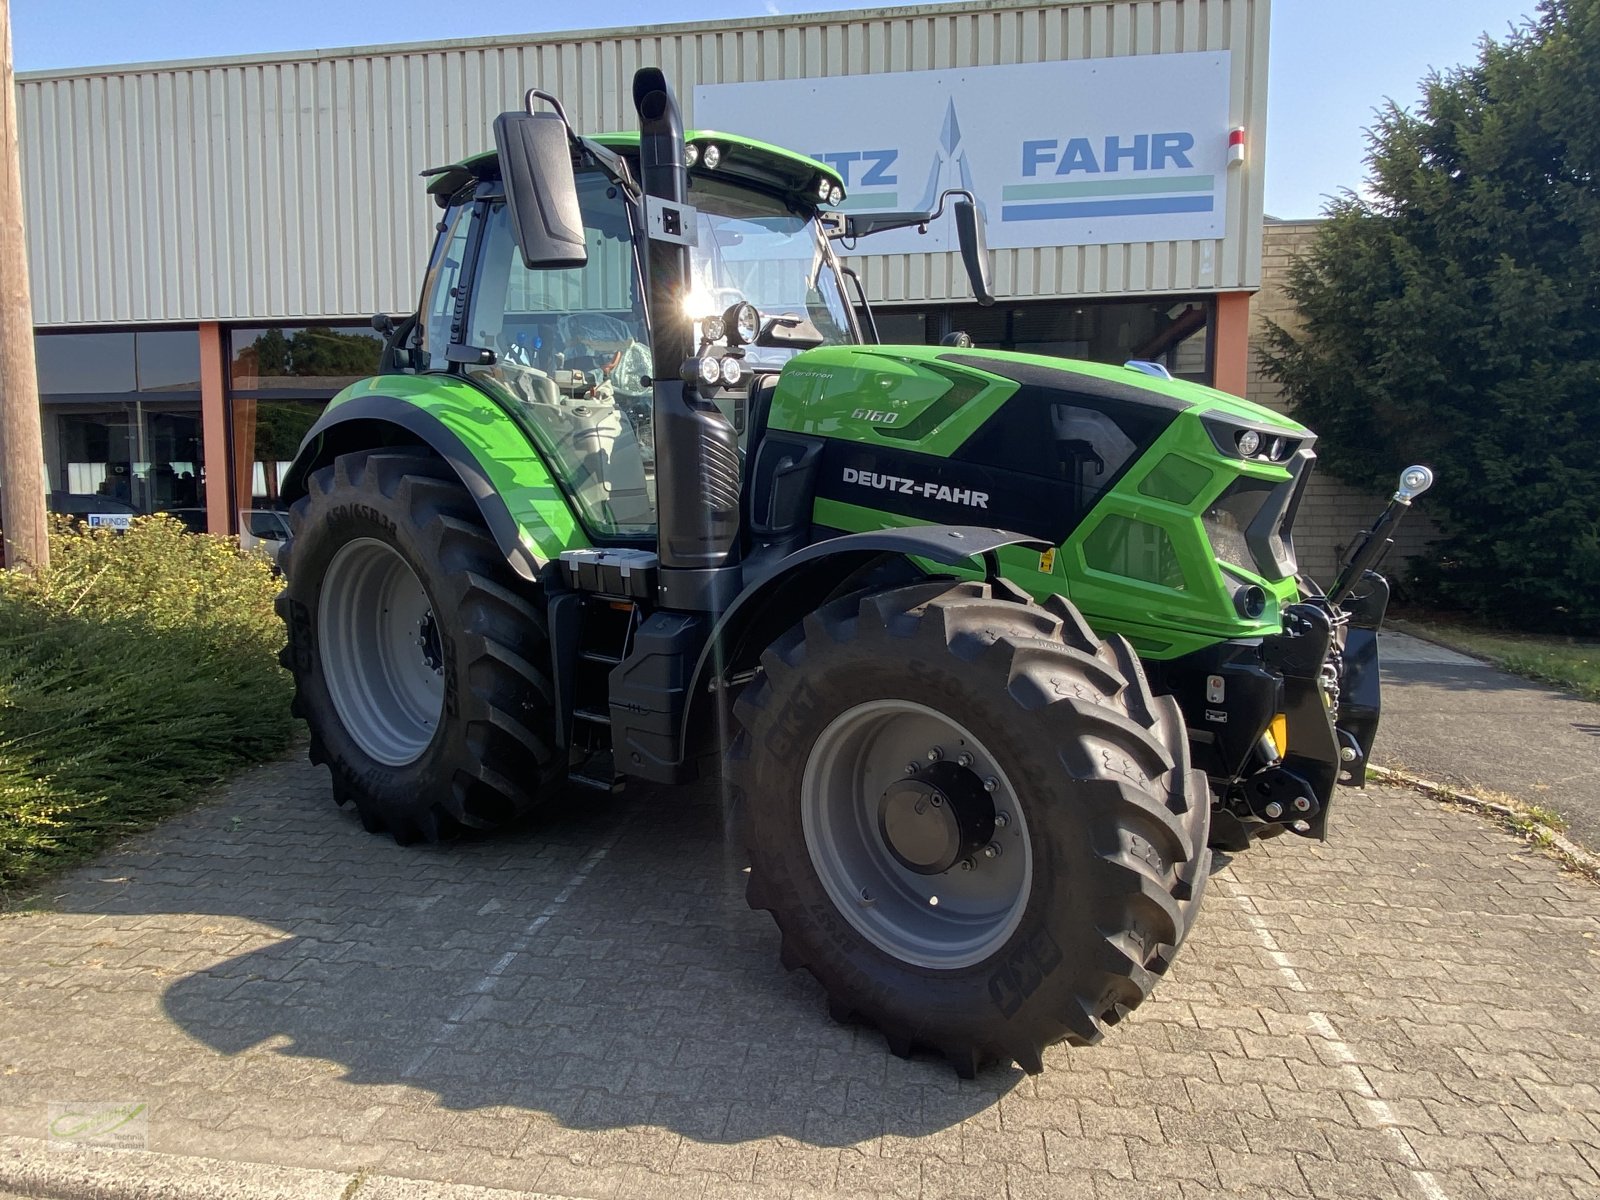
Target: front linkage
x: 1277, y: 722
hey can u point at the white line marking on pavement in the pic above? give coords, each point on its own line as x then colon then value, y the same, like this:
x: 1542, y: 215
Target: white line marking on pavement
x: 1349, y: 1065
x: 452, y: 1024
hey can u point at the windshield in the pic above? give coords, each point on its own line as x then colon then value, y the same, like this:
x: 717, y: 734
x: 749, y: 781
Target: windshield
x: 754, y: 247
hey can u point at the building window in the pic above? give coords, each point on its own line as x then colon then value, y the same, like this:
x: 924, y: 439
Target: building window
x: 281, y: 378
x: 121, y: 423
x: 1173, y: 332
x: 304, y: 360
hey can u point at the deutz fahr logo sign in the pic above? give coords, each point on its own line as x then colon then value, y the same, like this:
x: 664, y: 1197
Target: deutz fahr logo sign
x: 1128, y: 149
x: 1142, y: 174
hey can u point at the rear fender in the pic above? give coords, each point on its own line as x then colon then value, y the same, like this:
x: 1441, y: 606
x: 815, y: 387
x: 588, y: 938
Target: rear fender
x: 495, y: 461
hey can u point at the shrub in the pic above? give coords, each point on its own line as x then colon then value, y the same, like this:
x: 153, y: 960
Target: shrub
x: 137, y: 671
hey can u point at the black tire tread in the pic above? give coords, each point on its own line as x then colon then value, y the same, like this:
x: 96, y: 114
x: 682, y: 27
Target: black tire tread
x: 505, y: 635
x: 1149, y: 801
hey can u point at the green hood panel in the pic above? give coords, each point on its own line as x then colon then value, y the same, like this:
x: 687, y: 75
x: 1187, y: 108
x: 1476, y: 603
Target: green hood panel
x: 859, y: 374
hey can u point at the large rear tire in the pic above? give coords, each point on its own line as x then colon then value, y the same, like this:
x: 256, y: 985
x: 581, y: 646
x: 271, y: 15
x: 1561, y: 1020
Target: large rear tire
x: 970, y: 818
x: 418, y: 656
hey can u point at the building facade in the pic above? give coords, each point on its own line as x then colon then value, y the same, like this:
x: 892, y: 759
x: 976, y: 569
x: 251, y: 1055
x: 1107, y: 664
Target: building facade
x: 208, y: 240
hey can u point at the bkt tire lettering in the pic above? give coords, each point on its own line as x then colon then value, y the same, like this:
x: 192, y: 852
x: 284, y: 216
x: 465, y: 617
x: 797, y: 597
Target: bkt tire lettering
x: 911, y: 487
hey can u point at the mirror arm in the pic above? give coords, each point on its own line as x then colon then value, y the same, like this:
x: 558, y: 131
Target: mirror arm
x: 868, y: 224
x: 949, y: 194
x: 537, y: 94
x: 612, y: 163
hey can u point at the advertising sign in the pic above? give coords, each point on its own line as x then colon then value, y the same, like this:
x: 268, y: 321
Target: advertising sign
x: 1091, y: 151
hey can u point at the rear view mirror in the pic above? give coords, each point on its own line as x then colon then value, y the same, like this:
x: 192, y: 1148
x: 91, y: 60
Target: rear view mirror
x: 536, y: 165
x: 974, y: 249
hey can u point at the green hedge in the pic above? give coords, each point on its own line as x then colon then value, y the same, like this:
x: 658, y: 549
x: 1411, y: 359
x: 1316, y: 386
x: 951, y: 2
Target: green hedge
x: 137, y: 672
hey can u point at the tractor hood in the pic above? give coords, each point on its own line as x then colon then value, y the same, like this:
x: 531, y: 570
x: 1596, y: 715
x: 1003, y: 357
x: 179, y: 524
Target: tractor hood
x: 912, y: 393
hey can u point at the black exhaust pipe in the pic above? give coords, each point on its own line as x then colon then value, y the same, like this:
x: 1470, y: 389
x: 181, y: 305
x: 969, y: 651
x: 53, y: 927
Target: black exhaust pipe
x: 697, y: 450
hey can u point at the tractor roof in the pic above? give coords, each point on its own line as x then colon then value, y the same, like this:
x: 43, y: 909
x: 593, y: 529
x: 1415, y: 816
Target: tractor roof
x: 742, y: 158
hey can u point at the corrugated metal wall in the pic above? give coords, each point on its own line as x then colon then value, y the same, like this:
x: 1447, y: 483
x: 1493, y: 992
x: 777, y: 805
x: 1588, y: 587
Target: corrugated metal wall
x: 286, y: 187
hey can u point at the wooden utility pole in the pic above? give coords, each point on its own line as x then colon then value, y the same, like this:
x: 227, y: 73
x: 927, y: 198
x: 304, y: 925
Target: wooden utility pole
x: 22, y: 469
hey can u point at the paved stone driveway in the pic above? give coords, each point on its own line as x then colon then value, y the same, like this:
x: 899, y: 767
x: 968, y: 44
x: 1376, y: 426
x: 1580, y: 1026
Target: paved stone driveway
x: 588, y: 1009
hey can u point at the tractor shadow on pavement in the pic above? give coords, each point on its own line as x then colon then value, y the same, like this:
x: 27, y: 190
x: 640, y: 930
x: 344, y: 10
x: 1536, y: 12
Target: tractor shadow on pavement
x: 600, y: 966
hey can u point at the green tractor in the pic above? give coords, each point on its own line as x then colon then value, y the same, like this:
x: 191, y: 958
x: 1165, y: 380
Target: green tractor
x: 992, y: 647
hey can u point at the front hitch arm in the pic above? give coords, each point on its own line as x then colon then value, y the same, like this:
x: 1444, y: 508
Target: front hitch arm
x: 1376, y: 542
x: 1363, y: 596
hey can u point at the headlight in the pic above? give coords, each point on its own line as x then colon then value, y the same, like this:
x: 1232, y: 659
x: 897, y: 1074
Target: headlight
x: 730, y: 372
x: 835, y: 194
x: 742, y: 323
x: 1249, y: 442
x: 710, y: 371
x: 711, y: 329
x: 691, y: 154
x: 711, y: 156
x: 824, y: 187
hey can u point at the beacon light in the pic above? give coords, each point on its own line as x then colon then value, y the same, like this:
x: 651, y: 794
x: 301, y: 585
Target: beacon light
x: 1236, y: 145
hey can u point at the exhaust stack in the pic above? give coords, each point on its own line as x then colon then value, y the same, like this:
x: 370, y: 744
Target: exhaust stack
x: 697, y: 450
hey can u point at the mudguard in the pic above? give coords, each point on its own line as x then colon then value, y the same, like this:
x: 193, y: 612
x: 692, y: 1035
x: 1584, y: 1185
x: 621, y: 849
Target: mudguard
x: 526, y: 512
x: 797, y: 583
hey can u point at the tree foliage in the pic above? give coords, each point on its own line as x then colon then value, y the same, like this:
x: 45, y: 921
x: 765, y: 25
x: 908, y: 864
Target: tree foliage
x: 1451, y: 315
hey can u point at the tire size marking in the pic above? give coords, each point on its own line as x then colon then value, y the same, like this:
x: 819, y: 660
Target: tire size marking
x: 361, y: 512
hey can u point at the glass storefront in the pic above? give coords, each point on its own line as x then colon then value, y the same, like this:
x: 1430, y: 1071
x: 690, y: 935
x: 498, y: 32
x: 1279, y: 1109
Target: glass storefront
x: 121, y: 423
x: 1171, y: 332
x: 280, y: 378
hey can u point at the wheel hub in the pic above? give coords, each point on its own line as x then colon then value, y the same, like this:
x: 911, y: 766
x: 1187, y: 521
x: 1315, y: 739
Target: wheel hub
x: 935, y: 818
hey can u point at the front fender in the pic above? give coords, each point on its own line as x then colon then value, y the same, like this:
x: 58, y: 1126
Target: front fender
x: 522, y: 505
x: 800, y: 582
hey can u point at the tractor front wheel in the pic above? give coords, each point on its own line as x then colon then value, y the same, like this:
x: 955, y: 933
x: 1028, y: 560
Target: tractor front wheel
x: 970, y: 818
x: 415, y: 650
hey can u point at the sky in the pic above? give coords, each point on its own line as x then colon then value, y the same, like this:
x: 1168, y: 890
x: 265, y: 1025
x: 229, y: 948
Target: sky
x: 1331, y: 63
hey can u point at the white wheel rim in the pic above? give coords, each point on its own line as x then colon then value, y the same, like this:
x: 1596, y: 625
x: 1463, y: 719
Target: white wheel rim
x: 382, y: 655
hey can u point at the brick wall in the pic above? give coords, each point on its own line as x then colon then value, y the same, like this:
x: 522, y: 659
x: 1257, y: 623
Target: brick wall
x: 1332, y: 512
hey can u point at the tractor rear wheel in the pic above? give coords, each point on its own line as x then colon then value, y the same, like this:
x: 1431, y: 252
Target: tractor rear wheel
x: 970, y: 818
x: 414, y: 650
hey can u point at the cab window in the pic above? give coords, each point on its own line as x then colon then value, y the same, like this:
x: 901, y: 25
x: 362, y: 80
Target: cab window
x: 572, y: 356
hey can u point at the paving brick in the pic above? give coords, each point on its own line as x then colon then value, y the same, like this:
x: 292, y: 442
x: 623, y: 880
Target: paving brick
x: 642, y: 1041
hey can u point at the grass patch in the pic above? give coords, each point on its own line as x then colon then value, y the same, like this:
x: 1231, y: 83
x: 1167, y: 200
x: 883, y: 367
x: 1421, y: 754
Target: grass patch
x: 1572, y: 663
x: 137, y: 672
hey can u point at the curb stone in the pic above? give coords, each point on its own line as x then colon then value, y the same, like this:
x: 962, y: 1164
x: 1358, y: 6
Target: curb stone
x: 52, y: 1171
x: 1584, y: 861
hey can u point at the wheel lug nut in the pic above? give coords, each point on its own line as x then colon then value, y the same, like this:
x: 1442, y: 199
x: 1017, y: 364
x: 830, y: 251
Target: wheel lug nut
x: 1348, y: 754
x: 964, y: 760
x: 912, y: 768
x: 1273, y: 810
x: 992, y: 850
x: 967, y: 864
x: 1301, y: 804
x: 1001, y: 820
x: 935, y: 754
x: 990, y: 784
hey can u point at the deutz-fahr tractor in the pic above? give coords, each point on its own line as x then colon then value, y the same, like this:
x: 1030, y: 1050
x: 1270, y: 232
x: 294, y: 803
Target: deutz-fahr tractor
x: 987, y: 648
